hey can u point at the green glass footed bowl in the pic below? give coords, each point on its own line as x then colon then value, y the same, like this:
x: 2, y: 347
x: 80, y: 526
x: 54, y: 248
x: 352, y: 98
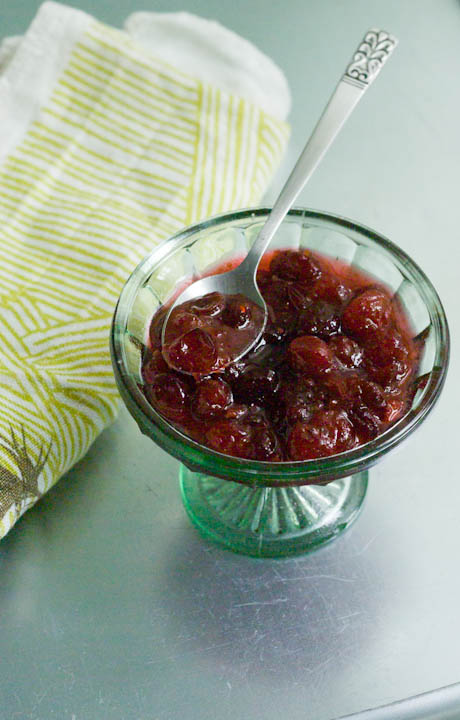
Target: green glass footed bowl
x: 262, y: 508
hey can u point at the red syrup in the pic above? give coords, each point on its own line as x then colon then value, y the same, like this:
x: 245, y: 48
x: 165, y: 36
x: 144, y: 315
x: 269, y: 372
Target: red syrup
x: 334, y: 368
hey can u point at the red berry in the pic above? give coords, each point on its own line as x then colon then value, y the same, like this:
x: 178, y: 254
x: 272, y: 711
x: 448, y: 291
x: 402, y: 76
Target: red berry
x: 385, y: 347
x: 211, y: 304
x: 212, y: 397
x: 263, y: 278
x: 387, y: 359
x: 236, y: 411
x: 275, y: 333
x: 256, y: 416
x: 194, y: 352
x: 391, y: 376
x: 180, y: 322
x: 276, y: 295
x: 331, y: 289
x: 327, y: 433
x: 299, y: 398
x: 366, y: 423
x: 310, y: 355
x: 266, y: 444
x: 320, y: 318
x: 346, y: 350
x: 264, y: 354
x: 256, y: 384
x: 373, y: 397
x: 307, y: 390
x: 296, y: 265
x: 231, y: 438
x: 233, y: 371
x: 299, y: 296
x: 298, y: 411
x: 367, y: 314
x: 394, y: 409
x: 153, y: 365
x: 340, y: 389
x: 237, y: 313
x: 168, y: 394
x: 301, y: 409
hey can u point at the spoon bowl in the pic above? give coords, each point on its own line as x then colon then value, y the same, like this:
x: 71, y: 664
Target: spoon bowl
x: 229, y: 283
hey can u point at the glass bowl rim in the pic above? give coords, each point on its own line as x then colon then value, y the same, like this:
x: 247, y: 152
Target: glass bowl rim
x: 333, y: 466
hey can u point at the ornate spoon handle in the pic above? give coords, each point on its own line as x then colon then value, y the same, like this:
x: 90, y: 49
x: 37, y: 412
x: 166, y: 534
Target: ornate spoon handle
x: 369, y: 58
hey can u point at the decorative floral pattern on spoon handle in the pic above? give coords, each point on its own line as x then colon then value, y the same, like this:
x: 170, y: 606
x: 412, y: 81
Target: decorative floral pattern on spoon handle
x: 369, y: 58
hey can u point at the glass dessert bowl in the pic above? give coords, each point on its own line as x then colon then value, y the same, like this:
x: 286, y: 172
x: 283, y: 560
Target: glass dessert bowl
x: 273, y: 508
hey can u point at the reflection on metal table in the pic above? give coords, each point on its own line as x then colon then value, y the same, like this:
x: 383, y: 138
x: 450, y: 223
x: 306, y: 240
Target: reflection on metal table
x: 114, y: 607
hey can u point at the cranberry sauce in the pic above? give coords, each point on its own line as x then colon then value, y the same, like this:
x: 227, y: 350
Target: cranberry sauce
x: 206, y: 334
x: 334, y: 368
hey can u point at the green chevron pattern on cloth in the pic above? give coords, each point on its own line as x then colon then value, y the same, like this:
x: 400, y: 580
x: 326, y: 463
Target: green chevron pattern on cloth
x: 125, y: 151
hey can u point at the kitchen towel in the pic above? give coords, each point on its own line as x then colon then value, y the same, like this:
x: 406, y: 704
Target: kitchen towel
x: 110, y: 141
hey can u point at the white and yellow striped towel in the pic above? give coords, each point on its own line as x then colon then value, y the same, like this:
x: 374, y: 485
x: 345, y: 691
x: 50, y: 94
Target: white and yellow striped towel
x: 110, y: 141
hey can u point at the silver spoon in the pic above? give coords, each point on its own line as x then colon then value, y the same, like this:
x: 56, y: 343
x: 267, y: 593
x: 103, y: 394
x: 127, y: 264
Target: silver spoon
x: 368, y: 60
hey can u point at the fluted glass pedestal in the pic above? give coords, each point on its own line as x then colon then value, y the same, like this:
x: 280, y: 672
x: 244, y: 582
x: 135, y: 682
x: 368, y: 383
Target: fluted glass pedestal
x: 267, y: 521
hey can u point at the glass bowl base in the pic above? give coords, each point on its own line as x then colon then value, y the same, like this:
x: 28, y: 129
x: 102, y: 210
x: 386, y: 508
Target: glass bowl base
x: 268, y: 521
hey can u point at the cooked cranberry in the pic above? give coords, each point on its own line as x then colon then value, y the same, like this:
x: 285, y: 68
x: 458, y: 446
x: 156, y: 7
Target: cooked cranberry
x: 153, y: 365
x: 391, y: 376
x: 295, y: 265
x: 256, y: 415
x: 212, y: 396
x: 331, y: 289
x: 299, y: 398
x: 233, y: 371
x: 168, y: 394
x: 306, y: 390
x: 366, y: 423
x: 231, y: 438
x: 394, y: 409
x: 275, y: 333
x: 373, y: 397
x: 211, y: 304
x: 264, y: 278
x: 266, y: 444
x: 327, y: 433
x: 299, y: 295
x: 340, y: 389
x: 271, y: 355
x: 280, y: 308
x: 368, y: 313
x: 256, y: 384
x: 237, y: 312
x: 194, y: 352
x: 384, y: 348
x: 236, y: 411
x: 180, y: 322
x: 309, y: 354
x: 320, y: 318
x: 300, y: 409
x: 346, y: 350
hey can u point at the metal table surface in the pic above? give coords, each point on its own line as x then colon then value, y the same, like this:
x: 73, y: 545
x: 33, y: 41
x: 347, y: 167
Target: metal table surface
x: 112, y: 606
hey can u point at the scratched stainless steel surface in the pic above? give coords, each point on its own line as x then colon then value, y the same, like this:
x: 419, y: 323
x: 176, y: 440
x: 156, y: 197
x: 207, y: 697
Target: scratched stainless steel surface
x: 111, y: 606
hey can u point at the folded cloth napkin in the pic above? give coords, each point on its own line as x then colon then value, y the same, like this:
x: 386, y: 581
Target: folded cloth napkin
x: 110, y: 141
